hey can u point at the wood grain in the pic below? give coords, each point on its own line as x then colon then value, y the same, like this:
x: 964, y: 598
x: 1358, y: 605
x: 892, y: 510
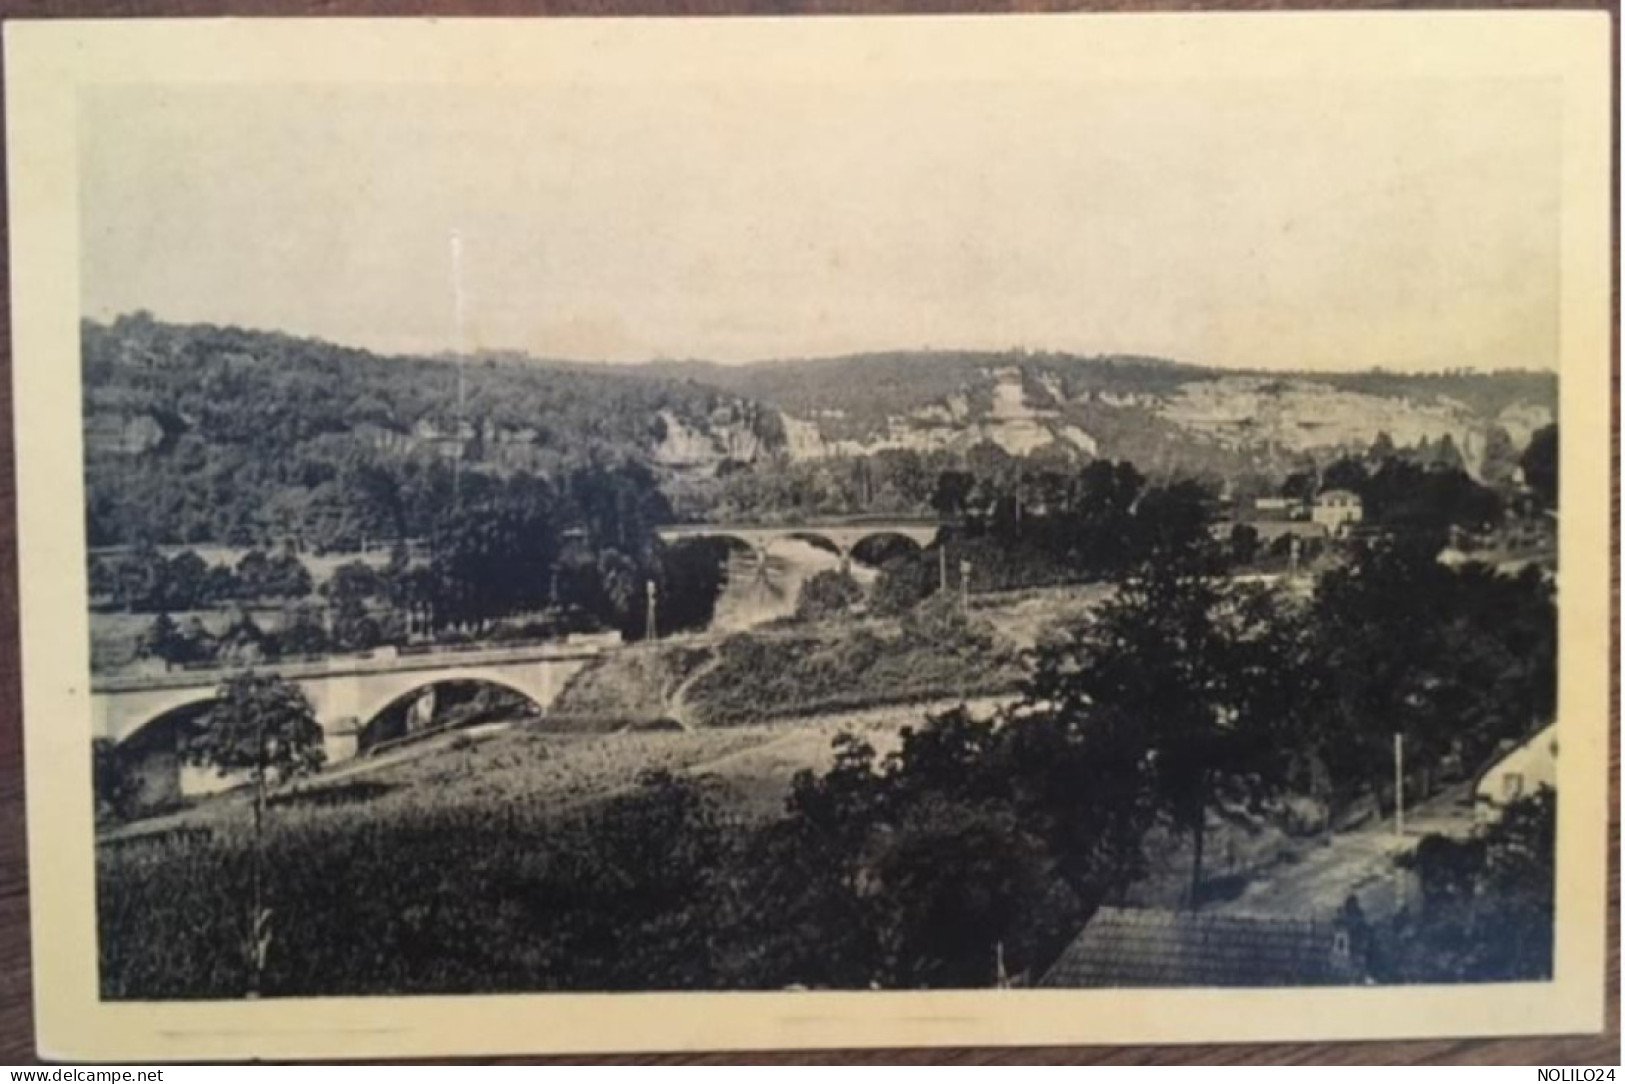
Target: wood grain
x: 16, y: 1011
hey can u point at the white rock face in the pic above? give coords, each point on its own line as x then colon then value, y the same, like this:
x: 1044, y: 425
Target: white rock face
x: 686, y: 446
x: 123, y: 433
x: 1013, y: 423
x: 1299, y: 415
x: 1078, y: 439
x: 1023, y: 411
x: 802, y: 438
x: 1520, y: 420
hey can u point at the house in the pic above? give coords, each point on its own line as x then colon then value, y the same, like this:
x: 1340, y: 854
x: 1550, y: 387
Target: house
x: 1123, y: 947
x: 1518, y: 774
x: 1277, y: 507
x: 1336, y: 510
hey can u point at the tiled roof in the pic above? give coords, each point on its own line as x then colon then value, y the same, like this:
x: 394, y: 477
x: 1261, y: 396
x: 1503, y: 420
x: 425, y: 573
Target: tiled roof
x: 1124, y: 947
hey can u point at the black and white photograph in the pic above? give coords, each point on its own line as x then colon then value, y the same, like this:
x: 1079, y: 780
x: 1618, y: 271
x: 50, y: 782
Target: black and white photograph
x: 645, y: 531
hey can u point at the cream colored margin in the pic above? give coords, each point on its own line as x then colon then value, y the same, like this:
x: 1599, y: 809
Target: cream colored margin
x: 47, y: 63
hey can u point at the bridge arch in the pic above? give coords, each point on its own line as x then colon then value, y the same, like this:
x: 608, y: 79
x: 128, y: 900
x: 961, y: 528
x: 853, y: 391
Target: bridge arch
x: 815, y: 538
x: 367, y: 723
x: 191, y: 704
x: 151, y: 756
x: 736, y: 542
x: 874, y: 550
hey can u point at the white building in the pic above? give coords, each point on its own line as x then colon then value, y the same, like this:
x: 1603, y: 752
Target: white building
x: 1336, y: 509
x: 1519, y: 774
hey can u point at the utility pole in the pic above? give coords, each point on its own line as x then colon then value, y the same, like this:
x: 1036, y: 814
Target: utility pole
x: 942, y: 569
x: 462, y: 395
x: 1399, y: 784
x: 964, y: 587
x: 654, y: 593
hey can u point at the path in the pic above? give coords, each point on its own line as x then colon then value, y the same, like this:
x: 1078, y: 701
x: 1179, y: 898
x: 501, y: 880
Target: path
x: 677, y: 706
x: 1315, y: 876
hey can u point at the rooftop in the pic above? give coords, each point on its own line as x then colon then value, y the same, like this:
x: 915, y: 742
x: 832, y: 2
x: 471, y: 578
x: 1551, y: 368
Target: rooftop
x: 1129, y: 947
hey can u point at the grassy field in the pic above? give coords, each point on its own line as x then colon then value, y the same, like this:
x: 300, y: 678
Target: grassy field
x: 844, y: 664
x: 517, y: 856
x: 115, y: 637
x: 632, y: 687
x: 470, y: 864
x: 547, y: 772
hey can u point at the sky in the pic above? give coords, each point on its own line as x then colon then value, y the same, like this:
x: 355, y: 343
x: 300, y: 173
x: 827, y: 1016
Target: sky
x: 1311, y: 225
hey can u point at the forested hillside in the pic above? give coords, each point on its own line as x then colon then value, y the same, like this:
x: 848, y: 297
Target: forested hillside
x: 201, y: 434
x: 208, y: 434
x: 876, y: 432
x: 854, y: 397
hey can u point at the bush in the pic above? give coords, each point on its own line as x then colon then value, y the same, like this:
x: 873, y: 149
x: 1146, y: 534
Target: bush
x: 939, y: 654
x: 1487, y: 912
x: 434, y: 899
x: 116, y: 790
x: 904, y: 582
x: 826, y: 594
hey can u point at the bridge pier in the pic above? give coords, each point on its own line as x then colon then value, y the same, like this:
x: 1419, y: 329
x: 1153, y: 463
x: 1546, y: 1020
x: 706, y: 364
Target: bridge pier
x: 140, y: 713
x: 839, y: 536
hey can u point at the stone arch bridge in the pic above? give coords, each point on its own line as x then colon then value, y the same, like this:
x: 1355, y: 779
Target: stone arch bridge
x: 347, y: 692
x: 840, y: 536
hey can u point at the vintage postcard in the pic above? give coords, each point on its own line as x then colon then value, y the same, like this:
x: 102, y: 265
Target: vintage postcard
x: 565, y: 536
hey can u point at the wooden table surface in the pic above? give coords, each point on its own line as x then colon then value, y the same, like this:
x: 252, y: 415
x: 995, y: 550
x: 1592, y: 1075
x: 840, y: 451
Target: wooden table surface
x: 16, y: 1011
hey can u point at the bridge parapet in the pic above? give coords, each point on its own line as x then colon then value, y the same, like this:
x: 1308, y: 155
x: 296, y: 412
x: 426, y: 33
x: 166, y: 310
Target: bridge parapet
x: 842, y: 534
x: 377, y: 662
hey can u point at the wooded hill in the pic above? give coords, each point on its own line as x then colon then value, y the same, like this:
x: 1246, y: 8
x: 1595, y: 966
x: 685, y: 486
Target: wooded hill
x: 205, y: 434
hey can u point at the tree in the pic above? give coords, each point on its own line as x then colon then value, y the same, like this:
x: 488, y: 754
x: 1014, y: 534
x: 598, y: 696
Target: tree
x: 1300, y: 485
x: 623, y: 590
x: 1172, y: 670
x: 1243, y: 543
x: 1455, y: 660
x: 1500, y: 459
x: 1382, y: 448
x: 183, y: 585
x: 904, y: 582
x: 1539, y: 463
x: 1345, y: 473
x: 353, y: 580
x: 286, y: 577
x: 243, y: 643
x: 303, y: 634
x: 348, y: 590
x: 690, y: 575
x: 253, y: 571
x: 927, y: 868
x: 220, y: 585
x: 266, y: 727
x: 952, y: 493
x: 140, y: 579
x: 116, y: 788
x: 494, y: 557
x: 163, y: 640
x: 1445, y: 455
x: 827, y: 593
x: 1171, y: 530
x: 354, y: 629
x: 1487, y: 902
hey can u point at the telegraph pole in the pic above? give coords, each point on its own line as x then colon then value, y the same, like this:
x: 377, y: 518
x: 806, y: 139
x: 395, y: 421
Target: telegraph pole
x: 1399, y: 784
x: 942, y: 569
x: 653, y: 593
x: 462, y: 394
x: 964, y: 587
